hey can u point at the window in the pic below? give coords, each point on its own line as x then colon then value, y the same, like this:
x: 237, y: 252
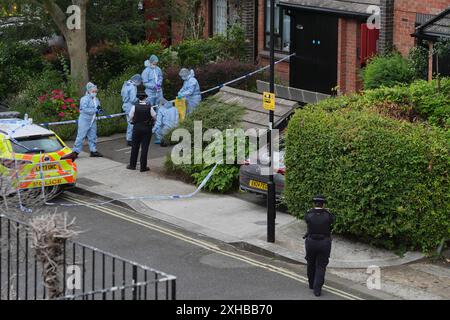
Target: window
x: 220, y: 16
x: 282, y: 28
x: 37, y: 144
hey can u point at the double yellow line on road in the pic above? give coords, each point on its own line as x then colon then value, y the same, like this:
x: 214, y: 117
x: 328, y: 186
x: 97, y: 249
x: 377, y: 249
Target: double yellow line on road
x: 208, y: 246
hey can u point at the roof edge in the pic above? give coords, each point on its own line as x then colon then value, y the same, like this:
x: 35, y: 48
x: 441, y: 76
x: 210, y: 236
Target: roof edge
x: 341, y: 13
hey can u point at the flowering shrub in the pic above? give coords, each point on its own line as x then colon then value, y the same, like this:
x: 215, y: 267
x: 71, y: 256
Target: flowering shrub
x: 56, y: 105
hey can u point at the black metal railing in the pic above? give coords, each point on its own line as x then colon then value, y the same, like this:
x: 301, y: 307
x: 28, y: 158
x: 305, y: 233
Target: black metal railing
x: 85, y: 272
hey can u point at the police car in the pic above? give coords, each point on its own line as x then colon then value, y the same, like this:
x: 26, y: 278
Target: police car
x: 32, y: 157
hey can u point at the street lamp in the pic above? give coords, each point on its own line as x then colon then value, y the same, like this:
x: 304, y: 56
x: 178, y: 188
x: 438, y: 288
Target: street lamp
x: 271, y: 204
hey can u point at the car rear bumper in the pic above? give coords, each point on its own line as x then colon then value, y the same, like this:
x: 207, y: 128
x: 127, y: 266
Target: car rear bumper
x: 246, y: 175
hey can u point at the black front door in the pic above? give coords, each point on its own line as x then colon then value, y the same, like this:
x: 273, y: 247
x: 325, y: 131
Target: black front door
x: 314, y: 39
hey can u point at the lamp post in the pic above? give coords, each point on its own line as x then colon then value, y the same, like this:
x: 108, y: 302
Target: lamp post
x: 271, y: 204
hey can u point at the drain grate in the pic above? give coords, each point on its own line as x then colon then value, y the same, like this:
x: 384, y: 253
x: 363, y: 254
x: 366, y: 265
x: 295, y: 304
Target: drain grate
x: 88, y: 182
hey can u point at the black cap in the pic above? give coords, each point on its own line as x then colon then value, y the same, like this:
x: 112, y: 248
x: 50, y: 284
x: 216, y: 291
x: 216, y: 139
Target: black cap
x: 141, y: 95
x: 319, y: 198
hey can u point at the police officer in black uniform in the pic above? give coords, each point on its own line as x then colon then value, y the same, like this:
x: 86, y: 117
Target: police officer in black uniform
x: 142, y: 117
x: 318, y: 243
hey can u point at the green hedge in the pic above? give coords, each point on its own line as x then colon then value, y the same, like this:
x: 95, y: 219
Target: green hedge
x: 420, y: 100
x: 387, y: 181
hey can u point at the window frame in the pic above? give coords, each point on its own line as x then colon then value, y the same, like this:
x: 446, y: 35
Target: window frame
x: 282, y: 14
x: 214, y: 18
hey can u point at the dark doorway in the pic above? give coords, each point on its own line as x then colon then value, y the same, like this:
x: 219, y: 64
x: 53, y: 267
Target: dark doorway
x: 314, y: 39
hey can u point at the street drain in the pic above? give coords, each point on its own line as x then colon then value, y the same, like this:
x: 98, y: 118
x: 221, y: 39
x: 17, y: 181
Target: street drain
x: 89, y: 182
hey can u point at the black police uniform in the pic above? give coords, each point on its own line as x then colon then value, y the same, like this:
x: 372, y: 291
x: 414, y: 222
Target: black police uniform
x: 142, y: 135
x: 318, y: 246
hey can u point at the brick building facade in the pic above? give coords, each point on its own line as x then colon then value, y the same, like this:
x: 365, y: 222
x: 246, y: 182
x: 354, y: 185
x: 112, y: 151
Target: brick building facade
x: 407, y: 15
x: 399, y: 19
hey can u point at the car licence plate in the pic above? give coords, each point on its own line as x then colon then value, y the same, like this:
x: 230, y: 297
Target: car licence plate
x: 47, y: 167
x: 258, y: 185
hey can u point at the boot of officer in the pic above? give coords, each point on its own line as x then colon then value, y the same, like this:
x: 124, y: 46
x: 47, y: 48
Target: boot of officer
x: 318, y: 243
x: 142, y: 117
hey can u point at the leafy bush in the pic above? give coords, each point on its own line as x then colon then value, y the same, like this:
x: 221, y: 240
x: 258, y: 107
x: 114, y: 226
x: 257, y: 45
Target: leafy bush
x: 388, y: 71
x: 214, y: 115
x: 56, y: 105
x: 27, y: 100
x: 211, y: 75
x: 109, y: 60
x: 18, y: 63
x: 387, y: 181
x: 420, y: 100
x: 105, y: 62
x: 42, y: 102
x: 418, y: 60
x: 193, y: 53
x: 134, y: 55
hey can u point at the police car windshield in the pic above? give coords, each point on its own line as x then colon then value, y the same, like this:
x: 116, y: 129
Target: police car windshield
x: 37, y: 144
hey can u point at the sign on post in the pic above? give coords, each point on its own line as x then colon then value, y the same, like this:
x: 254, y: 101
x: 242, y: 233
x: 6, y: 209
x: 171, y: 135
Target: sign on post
x: 180, y: 104
x: 269, y: 101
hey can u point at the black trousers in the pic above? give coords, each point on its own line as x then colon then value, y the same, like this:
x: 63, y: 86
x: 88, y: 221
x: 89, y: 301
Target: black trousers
x: 317, y: 257
x: 141, y: 140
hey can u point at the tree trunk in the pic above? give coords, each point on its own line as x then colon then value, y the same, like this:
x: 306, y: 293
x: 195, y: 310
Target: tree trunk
x: 76, y: 45
x: 75, y: 39
x: 77, y: 48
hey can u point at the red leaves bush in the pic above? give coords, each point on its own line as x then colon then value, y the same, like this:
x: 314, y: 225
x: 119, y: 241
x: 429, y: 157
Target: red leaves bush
x: 57, y: 106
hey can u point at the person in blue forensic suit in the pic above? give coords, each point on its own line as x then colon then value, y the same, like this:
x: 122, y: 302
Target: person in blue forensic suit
x: 166, y: 119
x: 190, y: 90
x: 87, y: 122
x: 129, y: 98
x: 152, y: 78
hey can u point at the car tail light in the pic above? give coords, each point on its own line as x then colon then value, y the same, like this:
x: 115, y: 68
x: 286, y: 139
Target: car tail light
x: 71, y: 156
x: 11, y: 163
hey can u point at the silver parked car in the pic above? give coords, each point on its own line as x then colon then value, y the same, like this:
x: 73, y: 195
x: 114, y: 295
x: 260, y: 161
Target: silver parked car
x: 253, y: 177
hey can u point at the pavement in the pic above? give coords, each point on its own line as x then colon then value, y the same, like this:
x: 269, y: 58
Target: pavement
x: 228, y: 218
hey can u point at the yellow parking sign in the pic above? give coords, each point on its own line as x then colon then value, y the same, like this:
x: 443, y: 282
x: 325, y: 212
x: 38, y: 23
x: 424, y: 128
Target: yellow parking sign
x: 269, y: 101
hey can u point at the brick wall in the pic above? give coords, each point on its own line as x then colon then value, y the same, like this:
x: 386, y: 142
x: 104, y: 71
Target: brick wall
x: 348, y: 60
x: 387, y: 26
x: 281, y: 69
x: 405, y: 18
x: 248, y: 22
x: 178, y: 28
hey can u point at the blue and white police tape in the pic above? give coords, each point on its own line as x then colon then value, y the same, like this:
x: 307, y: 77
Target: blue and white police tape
x: 137, y: 198
x: 47, y: 124
x: 218, y: 87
